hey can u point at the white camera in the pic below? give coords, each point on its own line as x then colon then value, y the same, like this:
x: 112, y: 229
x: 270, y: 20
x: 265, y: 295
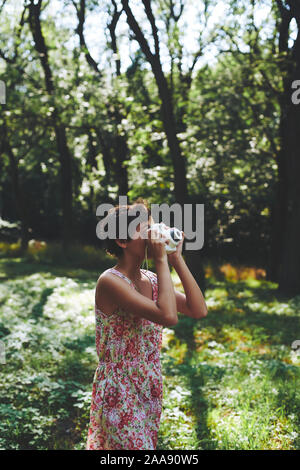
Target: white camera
x: 173, y: 235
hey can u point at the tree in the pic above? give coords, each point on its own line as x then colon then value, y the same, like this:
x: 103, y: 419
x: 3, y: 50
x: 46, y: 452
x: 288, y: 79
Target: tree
x: 17, y: 187
x: 64, y: 153
x: 115, y: 153
x: 284, y: 264
x: 168, y: 118
x: 167, y: 109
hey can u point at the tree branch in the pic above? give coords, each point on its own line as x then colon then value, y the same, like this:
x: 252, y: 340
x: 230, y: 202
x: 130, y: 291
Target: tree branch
x: 18, y: 40
x: 172, y: 10
x: 112, y: 30
x: 284, y: 27
x: 80, y: 11
x: 149, y: 13
x: 139, y: 36
x: 40, y: 45
x: 2, y: 6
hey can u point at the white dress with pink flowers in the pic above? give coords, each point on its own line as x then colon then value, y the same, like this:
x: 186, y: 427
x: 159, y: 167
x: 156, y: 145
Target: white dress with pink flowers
x: 127, y: 387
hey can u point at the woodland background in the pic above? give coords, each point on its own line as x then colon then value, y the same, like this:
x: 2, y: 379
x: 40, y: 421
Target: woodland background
x: 171, y: 101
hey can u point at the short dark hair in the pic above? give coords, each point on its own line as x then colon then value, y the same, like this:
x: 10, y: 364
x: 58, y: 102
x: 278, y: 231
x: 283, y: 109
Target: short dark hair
x: 110, y: 245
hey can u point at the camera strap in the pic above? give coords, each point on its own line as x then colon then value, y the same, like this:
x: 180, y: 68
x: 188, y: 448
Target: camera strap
x: 146, y: 259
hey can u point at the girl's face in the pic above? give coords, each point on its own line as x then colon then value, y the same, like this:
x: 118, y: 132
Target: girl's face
x: 137, y: 246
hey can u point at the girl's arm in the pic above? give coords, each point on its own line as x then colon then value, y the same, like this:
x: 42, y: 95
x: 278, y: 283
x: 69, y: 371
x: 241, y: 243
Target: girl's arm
x: 166, y: 300
x: 191, y: 303
x: 164, y: 311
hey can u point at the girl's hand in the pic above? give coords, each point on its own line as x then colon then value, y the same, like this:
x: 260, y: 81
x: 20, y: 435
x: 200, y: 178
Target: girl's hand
x: 156, y: 245
x: 176, y: 255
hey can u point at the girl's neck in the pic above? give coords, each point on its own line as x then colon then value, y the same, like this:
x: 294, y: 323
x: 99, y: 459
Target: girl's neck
x: 132, y: 271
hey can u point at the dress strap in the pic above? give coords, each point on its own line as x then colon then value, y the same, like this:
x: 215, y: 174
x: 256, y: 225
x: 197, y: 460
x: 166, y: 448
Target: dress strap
x: 118, y: 273
x: 153, y: 279
x: 151, y: 276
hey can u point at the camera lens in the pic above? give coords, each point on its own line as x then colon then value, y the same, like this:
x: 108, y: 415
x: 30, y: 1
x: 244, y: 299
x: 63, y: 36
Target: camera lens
x: 175, y: 234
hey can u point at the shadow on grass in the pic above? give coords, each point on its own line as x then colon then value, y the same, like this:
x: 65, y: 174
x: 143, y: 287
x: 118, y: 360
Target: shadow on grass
x: 194, y: 379
x: 259, y: 326
x: 81, y: 343
x: 37, y: 310
x: 261, y: 290
x: 13, y: 268
x: 278, y: 328
x: 274, y: 328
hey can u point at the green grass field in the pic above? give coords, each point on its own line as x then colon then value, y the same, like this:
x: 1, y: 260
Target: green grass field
x: 231, y: 380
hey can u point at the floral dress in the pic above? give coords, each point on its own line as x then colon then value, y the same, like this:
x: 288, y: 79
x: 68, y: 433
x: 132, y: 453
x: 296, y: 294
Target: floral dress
x: 127, y: 386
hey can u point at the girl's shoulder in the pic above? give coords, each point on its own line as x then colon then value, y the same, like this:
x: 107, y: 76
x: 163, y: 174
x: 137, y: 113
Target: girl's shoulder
x: 115, y: 272
x: 150, y: 274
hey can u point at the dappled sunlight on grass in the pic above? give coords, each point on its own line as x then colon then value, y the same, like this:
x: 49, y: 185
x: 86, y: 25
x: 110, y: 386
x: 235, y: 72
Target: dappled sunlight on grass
x: 52, y: 253
x: 231, y: 379
x: 48, y: 326
x: 230, y: 272
x: 176, y: 349
x: 244, y: 378
x: 237, y: 273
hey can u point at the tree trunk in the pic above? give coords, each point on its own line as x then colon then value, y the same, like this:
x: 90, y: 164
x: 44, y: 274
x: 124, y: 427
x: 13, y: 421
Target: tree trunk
x: 121, y: 147
x: 121, y: 151
x: 288, y: 212
x: 284, y: 263
x: 18, y: 192
x: 64, y: 153
x: 167, y: 112
x: 193, y: 258
x: 66, y: 183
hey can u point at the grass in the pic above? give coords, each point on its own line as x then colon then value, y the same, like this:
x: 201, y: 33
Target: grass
x: 231, y: 380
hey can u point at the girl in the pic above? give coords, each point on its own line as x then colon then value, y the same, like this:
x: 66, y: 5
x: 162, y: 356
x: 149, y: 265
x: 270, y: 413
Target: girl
x: 132, y: 305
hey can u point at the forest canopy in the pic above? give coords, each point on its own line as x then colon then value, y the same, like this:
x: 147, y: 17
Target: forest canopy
x: 171, y: 100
